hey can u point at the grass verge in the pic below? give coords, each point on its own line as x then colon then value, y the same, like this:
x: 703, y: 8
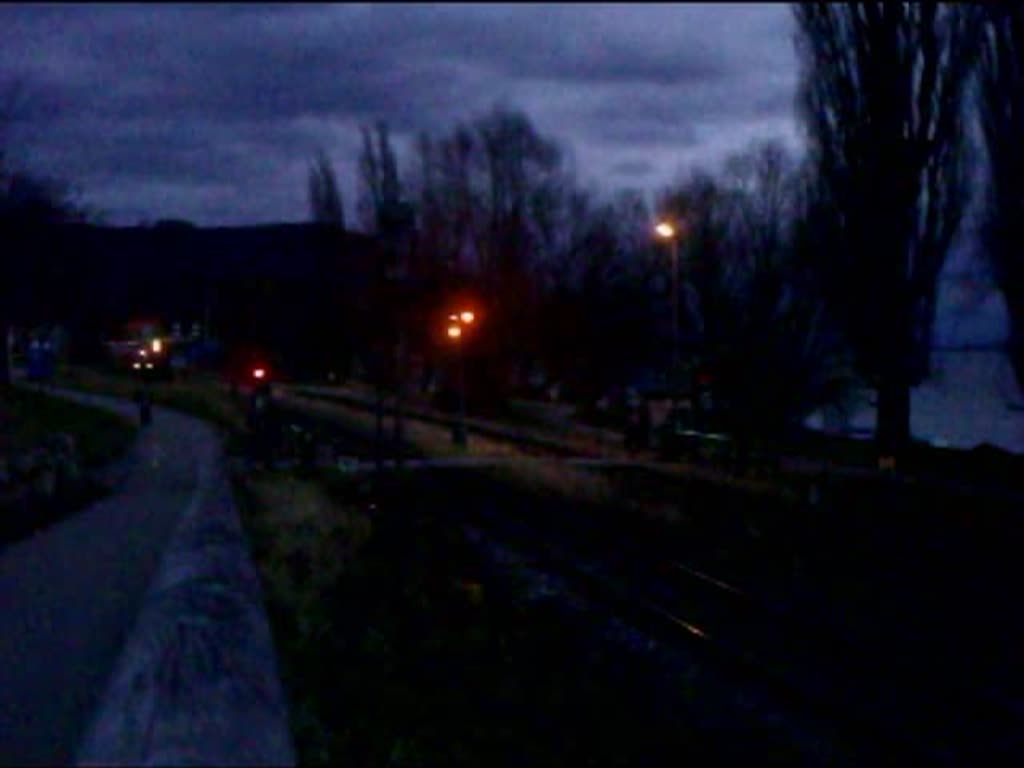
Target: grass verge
x: 50, y: 488
x: 204, y: 398
x: 27, y: 418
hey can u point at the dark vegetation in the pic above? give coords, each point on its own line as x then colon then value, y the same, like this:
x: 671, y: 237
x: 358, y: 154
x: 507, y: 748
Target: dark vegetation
x: 1001, y: 102
x: 417, y: 651
x: 29, y: 417
x: 434, y: 640
x: 31, y: 426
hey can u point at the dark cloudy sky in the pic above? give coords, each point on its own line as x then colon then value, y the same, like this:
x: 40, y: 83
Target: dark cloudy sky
x: 211, y: 113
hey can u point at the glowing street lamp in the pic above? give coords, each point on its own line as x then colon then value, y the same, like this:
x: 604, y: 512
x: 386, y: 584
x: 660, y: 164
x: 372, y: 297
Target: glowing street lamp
x: 456, y: 322
x: 466, y: 317
x: 668, y: 231
x: 665, y: 230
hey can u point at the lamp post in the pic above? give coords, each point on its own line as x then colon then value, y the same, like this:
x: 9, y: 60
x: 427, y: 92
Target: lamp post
x: 456, y: 323
x: 667, y: 231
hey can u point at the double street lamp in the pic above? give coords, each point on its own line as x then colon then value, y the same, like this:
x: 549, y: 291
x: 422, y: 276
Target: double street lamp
x: 457, y: 323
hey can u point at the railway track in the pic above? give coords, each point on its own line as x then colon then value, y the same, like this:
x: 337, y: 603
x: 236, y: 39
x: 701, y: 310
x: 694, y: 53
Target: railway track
x: 907, y: 712
x: 903, y: 712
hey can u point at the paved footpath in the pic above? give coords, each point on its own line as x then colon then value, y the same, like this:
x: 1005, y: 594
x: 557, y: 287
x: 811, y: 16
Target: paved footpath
x: 133, y: 632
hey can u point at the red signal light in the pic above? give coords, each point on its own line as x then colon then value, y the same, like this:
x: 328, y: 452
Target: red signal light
x: 259, y: 373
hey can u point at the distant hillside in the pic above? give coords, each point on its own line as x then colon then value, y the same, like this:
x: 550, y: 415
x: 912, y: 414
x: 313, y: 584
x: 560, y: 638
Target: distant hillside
x: 259, y: 282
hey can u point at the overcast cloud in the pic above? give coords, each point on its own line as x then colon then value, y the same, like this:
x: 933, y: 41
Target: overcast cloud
x: 212, y: 113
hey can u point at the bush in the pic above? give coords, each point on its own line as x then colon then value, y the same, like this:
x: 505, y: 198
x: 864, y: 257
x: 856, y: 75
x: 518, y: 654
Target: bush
x: 46, y: 445
x: 34, y: 418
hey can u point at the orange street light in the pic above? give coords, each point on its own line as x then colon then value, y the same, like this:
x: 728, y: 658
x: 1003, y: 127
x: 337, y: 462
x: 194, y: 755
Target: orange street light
x: 456, y: 321
x: 665, y: 230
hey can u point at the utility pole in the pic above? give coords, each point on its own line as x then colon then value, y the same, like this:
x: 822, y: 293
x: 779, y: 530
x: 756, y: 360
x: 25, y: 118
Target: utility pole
x: 459, y: 323
x: 398, y: 433
x: 378, y: 356
x: 206, y: 310
x: 673, y: 232
x: 400, y: 231
x: 460, y: 432
x: 7, y: 364
x: 378, y: 450
x: 675, y: 304
x: 395, y: 224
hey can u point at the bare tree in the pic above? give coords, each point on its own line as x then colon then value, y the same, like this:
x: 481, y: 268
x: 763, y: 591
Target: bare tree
x: 1001, y: 97
x: 385, y: 213
x: 487, y: 204
x: 762, y: 182
x: 517, y: 160
x: 700, y: 205
x: 28, y: 202
x: 488, y: 189
x: 444, y: 203
x: 459, y: 196
x: 5, y: 319
x: 754, y: 321
x: 378, y: 175
x: 882, y: 95
x: 325, y: 201
x: 12, y: 100
x: 776, y: 356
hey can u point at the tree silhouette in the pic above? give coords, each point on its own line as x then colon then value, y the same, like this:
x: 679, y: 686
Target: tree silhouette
x: 325, y: 201
x: 1001, y: 101
x: 755, y: 321
x: 380, y: 188
x: 28, y: 202
x: 882, y: 91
